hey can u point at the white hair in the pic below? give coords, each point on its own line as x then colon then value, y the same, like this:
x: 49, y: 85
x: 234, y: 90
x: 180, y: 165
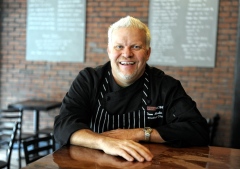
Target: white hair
x: 128, y: 22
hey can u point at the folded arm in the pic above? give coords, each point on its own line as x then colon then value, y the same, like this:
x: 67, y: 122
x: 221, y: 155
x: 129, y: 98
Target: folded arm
x: 126, y: 148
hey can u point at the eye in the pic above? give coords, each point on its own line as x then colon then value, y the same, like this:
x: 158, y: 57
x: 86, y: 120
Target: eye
x: 136, y: 47
x: 118, y: 47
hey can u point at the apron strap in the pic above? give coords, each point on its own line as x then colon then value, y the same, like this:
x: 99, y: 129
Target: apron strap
x: 103, y: 121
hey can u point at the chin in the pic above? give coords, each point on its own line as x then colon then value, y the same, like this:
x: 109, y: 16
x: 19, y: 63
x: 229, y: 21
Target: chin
x: 127, y: 77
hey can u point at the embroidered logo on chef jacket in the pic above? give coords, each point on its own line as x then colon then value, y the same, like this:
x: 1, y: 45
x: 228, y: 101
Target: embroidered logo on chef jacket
x: 103, y: 121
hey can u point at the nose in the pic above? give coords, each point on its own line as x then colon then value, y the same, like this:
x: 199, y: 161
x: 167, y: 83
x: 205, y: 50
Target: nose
x: 127, y: 52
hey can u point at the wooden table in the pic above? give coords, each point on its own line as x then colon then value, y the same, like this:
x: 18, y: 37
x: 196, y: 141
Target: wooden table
x: 36, y: 106
x: 165, y: 157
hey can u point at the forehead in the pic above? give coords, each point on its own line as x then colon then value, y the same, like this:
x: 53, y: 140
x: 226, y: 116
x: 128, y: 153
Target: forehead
x: 128, y: 35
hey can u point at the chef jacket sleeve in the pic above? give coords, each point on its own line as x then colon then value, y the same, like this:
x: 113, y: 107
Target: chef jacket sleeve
x: 184, y: 125
x: 75, y: 111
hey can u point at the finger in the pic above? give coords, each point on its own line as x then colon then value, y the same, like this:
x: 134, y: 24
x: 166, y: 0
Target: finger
x: 146, y: 154
x: 134, y: 153
x: 124, y: 154
x: 140, y: 152
x: 146, y: 151
x: 117, y: 150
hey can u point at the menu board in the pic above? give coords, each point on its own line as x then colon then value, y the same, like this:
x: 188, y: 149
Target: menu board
x: 56, y: 30
x: 183, y: 32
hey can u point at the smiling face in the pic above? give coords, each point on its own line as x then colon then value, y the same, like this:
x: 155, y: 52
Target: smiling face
x: 128, y: 55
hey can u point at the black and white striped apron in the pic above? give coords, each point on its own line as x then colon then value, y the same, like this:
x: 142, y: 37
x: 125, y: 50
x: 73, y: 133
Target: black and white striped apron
x: 102, y: 120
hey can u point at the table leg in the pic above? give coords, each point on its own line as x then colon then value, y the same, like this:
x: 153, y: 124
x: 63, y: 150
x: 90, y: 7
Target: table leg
x: 36, y: 122
x: 36, y: 127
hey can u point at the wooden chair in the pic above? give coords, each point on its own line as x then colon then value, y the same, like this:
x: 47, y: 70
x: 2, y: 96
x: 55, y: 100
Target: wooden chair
x: 7, y: 119
x: 37, y: 148
x: 6, y: 164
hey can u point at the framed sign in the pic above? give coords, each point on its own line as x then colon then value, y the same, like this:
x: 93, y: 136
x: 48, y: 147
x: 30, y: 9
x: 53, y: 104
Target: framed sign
x: 56, y: 30
x: 183, y: 32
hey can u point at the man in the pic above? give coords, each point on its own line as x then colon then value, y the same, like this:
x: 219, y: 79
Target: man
x: 114, y: 106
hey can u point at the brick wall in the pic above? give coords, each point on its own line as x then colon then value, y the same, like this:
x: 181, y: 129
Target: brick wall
x: 211, y: 88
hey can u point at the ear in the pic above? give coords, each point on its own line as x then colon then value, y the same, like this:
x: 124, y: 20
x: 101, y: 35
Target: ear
x: 148, y: 53
x: 109, y: 52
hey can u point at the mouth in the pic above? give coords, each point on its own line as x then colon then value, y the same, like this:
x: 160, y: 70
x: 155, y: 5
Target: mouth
x: 127, y: 63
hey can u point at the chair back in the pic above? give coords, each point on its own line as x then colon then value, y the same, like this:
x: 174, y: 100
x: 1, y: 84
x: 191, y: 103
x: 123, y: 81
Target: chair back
x: 7, y: 163
x: 37, y: 148
x: 8, y: 117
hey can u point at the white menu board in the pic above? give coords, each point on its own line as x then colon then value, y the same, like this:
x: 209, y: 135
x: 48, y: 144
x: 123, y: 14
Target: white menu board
x: 56, y: 30
x: 183, y: 32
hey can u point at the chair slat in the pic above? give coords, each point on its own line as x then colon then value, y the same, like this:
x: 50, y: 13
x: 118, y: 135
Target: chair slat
x: 34, y: 148
x: 7, y: 163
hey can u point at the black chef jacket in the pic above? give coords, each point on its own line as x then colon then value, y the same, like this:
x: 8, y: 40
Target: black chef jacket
x: 171, y: 111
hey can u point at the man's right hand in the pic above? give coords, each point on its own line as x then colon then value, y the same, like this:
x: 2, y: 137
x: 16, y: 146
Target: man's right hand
x: 128, y: 149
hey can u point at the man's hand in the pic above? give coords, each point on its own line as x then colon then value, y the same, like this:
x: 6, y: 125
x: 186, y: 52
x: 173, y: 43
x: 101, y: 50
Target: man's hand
x: 97, y: 158
x: 127, y: 149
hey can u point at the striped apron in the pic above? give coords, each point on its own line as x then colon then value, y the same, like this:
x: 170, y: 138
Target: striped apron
x: 103, y: 121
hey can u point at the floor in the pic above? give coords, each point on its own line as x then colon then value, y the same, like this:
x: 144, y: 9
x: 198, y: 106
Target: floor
x: 14, y: 159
